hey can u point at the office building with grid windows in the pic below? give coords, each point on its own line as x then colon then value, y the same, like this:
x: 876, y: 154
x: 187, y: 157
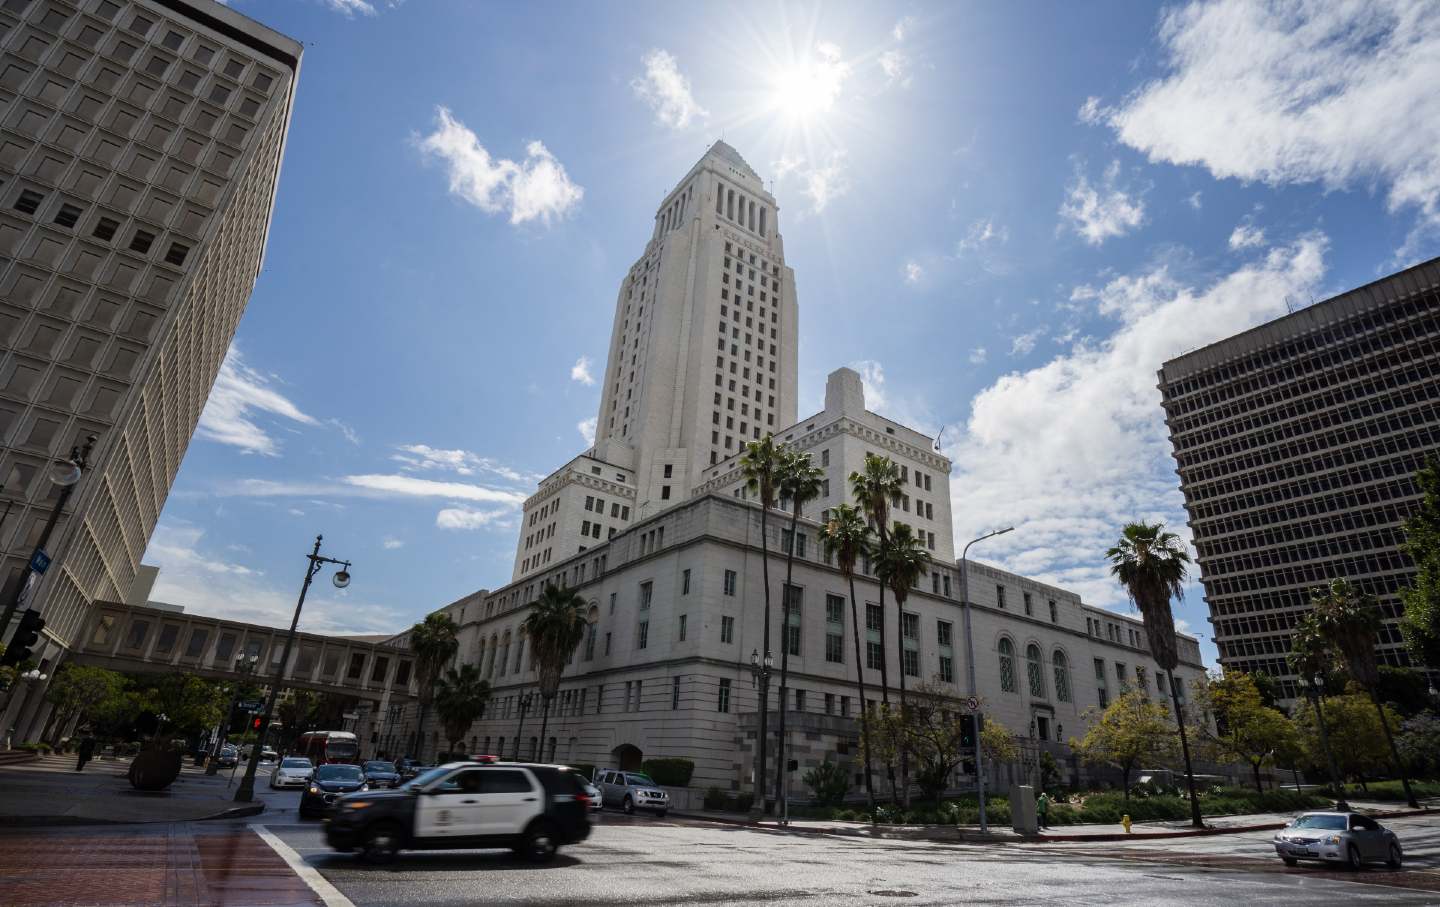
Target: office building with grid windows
x: 139, y: 157
x: 1297, y: 444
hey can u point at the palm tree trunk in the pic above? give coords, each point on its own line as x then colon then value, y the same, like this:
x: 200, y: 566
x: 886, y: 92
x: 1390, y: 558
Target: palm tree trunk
x: 780, y: 774
x: 1394, y: 752
x: 860, y: 690
x: 420, y: 735
x: 900, y: 649
x: 885, y: 690
x: 1255, y: 767
x: 760, y: 738
x: 544, y: 723
x: 519, y: 732
x: 1337, y: 788
x: 1195, y: 819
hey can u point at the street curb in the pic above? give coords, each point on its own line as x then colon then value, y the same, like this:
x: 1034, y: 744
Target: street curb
x: 235, y: 812
x: 1195, y: 833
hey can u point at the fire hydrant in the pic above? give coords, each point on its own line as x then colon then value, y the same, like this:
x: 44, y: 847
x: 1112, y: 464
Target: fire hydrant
x: 1125, y: 821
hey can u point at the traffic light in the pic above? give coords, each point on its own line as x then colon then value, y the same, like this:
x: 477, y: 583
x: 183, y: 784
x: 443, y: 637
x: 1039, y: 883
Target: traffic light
x: 255, y: 725
x: 967, y: 731
x: 26, y: 635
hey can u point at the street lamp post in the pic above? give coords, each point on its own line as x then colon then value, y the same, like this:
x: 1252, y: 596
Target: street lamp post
x: 244, y: 666
x: 246, y: 792
x: 970, y: 659
x: 1315, y: 689
x: 524, y: 703
x: 760, y: 676
x: 66, y: 474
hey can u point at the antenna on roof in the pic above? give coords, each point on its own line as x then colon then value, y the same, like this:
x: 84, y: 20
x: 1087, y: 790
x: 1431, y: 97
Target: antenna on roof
x: 1289, y: 304
x: 938, y: 435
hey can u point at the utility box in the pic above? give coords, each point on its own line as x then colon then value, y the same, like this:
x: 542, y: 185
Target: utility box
x: 1022, y: 810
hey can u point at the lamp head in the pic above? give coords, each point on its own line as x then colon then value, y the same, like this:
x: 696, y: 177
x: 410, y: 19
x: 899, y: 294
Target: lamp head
x: 754, y: 658
x: 341, y: 578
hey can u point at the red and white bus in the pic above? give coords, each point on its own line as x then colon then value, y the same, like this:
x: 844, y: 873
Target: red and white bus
x: 323, y: 747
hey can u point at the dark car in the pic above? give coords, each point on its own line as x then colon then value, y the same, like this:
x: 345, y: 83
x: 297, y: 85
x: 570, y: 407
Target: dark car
x: 409, y: 768
x: 381, y: 774
x: 329, y: 783
x: 531, y: 809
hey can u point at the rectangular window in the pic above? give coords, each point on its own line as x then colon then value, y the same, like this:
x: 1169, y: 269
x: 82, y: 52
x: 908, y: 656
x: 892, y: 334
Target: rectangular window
x: 29, y: 201
x: 722, y: 703
x: 799, y: 700
x: 590, y: 643
x: 947, y: 669
x: 1054, y: 612
x: 1029, y: 605
x: 682, y: 627
x: 835, y: 629
x: 794, y: 596
x: 727, y: 630
x: 1000, y: 596
x: 68, y: 216
x: 685, y: 582
x: 645, y: 589
x: 829, y: 703
x: 874, y: 656
x: 642, y: 638
x: 675, y: 694
x: 729, y: 582
x: 607, y: 643
x: 910, y: 632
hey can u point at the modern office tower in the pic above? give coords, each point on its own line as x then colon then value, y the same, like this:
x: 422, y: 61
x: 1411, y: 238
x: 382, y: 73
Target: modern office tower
x: 702, y: 359
x: 139, y: 152
x: 1297, y: 444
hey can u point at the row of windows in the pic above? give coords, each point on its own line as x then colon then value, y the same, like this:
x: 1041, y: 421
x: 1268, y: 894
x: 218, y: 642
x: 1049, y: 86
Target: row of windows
x: 1326, y: 473
x: 1384, y: 539
x: 67, y: 215
x: 1333, y: 514
x: 1310, y: 575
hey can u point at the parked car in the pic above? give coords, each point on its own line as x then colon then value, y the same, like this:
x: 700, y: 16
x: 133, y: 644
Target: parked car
x: 408, y: 768
x: 379, y: 774
x: 293, y: 771
x: 327, y: 785
x: 1337, y: 837
x: 532, y: 809
x: 228, y: 758
x: 630, y: 791
x: 591, y: 791
x: 269, y: 755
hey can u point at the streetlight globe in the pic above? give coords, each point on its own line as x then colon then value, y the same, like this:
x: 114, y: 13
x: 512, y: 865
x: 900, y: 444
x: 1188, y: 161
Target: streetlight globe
x: 65, y: 473
x: 341, y: 579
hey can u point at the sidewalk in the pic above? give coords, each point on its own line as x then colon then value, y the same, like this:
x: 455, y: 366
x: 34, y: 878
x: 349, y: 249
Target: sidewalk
x: 48, y: 791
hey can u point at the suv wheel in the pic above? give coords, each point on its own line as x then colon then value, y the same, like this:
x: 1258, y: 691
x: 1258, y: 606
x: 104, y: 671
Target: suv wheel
x: 1352, y: 855
x: 538, y: 845
x: 660, y: 813
x: 382, y: 843
x: 628, y: 807
x: 1393, y: 860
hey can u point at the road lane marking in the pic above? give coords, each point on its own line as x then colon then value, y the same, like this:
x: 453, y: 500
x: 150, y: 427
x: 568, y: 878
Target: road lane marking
x: 318, y: 883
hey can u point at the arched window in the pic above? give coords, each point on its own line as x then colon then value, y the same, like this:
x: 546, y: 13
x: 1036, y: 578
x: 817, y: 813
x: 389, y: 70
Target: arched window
x: 504, y: 654
x: 1062, y: 676
x: 1035, y: 671
x: 1007, y: 666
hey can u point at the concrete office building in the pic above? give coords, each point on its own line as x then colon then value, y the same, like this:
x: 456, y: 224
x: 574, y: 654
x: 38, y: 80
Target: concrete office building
x: 139, y: 155
x: 1296, y: 444
x: 711, y: 286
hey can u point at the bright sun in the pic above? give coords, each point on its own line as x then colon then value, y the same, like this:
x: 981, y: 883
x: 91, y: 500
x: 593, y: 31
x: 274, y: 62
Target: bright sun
x: 810, y: 87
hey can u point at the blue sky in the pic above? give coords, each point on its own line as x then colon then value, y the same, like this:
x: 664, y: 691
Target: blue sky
x: 1005, y: 215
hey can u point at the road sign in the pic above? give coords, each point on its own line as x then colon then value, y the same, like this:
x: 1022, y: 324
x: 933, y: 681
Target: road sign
x: 39, y: 561
x: 351, y: 716
x: 248, y: 706
x: 972, y: 704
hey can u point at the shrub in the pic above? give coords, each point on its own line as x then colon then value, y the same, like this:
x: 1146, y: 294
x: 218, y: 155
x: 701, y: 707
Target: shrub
x: 669, y: 772
x: 1063, y: 814
x: 828, y: 782
x: 34, y: 747
x: 714, y: 799
x: 743, y: 802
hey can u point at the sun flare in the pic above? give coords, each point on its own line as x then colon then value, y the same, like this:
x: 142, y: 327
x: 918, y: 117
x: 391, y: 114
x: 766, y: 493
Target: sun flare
x: 809, y: 87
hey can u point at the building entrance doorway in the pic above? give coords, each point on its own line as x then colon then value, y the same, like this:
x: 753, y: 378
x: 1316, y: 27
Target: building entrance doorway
x: 627, y: 757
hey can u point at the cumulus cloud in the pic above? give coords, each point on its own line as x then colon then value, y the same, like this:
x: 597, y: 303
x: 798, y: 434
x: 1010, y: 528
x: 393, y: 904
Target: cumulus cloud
x: 1072, y: 449
x: 666, y: 90
x: 465, y: 518
x: 461, y: 462
x: 820, y: 182
x: 586, y: 427
x: 238, y: 399
x: 580, y: 371
x: 913, y: 271
x: 1340, y: 94
x: 410, y: 486
x: 1090, y: 112
x: 351, y: 7
x: 978, y: 355
x: 537, y: 188
x: 1024, y: 344
x: 1247, y: 236
x: 1097, y: 213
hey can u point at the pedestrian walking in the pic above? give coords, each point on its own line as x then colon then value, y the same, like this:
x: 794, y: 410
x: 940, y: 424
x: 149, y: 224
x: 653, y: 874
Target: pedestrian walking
x: 87, y: 749
x: 1042, y: 808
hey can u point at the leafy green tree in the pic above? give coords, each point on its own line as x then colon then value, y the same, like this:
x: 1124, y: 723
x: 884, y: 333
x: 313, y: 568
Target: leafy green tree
x: 1313, y: 662
x: 1420, y: 743
x: 1350, y: 621
x: 760, y: 465
x: 1245, y: 729
x: 1150, y: 564
x: 875, y: 488
x: 555, y: 625
x: 297, y: 711
x: 1405, y: 689
x: 998, y: 743
x: 828, y: 783
x: 901, y: 560
x: 1420, y: 624
x: 799, y: 484
x: 188, y: 703
x: 1130, y: 732
x: 434, y: 643
x: 460, y: 700
x: 79, y: 691
x: 1356, y: 741
x: 928, y: 729
x: 846, y: 537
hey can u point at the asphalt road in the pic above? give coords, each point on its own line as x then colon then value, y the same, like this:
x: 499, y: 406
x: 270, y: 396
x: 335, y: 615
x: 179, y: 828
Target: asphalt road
x: 642, y: 860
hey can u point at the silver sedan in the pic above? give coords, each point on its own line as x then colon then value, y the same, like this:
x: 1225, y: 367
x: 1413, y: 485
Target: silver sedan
x: 1337, y: 837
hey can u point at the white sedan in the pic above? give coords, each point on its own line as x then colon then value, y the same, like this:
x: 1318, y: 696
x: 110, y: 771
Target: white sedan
x: 293, y: 771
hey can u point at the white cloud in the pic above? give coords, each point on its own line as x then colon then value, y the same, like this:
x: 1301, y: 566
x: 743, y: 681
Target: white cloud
x: 351, y: 7
x: 393, y: 543
x: 1069, y: 451
x: 580, y: 371
x: 537, y: 188
x: 586, y: 427
x: 913, y: 271
x: 978, y: 355
x: 896, y: 66
x: 902, y: 28
x: 240, y: 394
x: 1247, y: 236
x: 1194, y: 201
x: 1100, y: 212
x: 822, y: 183
x: 1091, y: 112
x: 410, y: 486
x: 1024, y: 344
x: 1340, y: 94
x: 667, y: 91
x: 982, y: 233
x: 465, y: 518
x: 461, y: 462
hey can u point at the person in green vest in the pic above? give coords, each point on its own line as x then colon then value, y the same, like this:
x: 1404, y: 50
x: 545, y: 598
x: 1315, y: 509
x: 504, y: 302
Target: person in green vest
x: 1042, y: 808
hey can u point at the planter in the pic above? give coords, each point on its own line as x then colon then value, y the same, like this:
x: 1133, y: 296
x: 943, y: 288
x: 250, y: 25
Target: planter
x: 154, y: 770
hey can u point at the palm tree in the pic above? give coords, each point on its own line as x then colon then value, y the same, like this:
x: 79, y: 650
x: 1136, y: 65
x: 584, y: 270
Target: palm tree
x: 759, y: 464
x: 1311, y: 658
x: 846, y: 537
x: 902, y: 562
x: 434, y: 644
x: 556, y: 625
x: 460, y: 699
x: 1349, y: 620
x: 875, y: 488
x: 799, y: 482
x: 1150, y: 563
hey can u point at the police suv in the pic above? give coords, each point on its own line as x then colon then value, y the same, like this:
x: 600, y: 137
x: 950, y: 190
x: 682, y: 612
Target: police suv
x: 531, y: 809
